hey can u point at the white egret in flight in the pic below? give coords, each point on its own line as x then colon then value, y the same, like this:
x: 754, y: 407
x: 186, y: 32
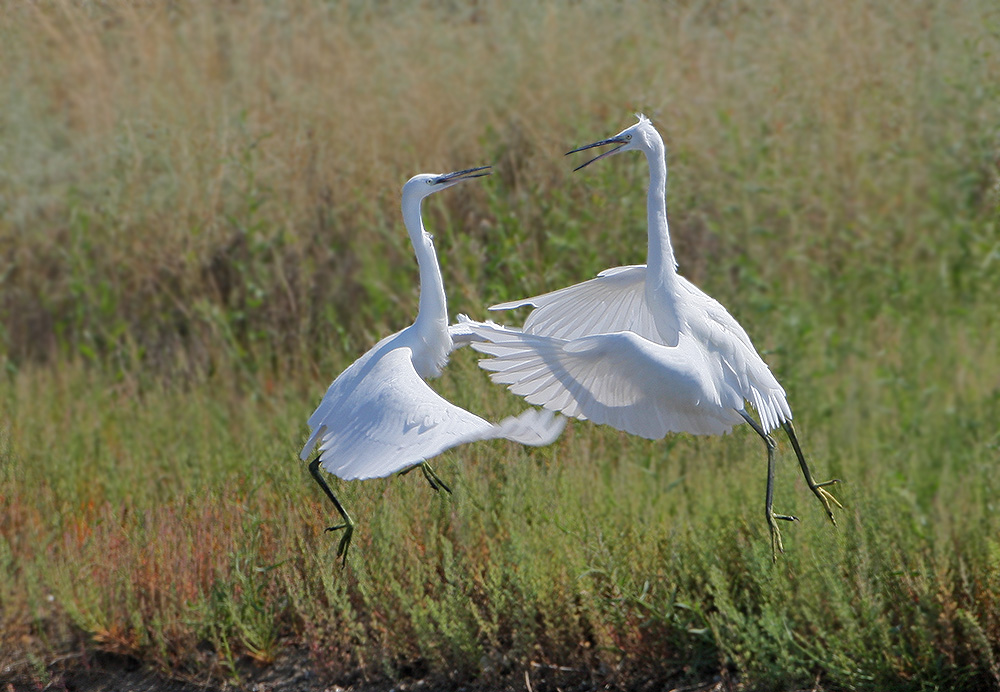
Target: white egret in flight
x: 379, y: 417
x: 642, y: 349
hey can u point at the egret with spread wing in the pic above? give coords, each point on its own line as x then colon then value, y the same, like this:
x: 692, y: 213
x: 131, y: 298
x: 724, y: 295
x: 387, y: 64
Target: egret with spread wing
x: 642, y: 349
x: 379, y: 417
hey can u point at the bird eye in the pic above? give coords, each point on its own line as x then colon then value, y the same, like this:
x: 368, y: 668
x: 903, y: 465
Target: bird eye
x: 627, y: 137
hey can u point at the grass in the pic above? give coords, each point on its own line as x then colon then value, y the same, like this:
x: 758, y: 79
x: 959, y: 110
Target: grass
x: 199, y: 228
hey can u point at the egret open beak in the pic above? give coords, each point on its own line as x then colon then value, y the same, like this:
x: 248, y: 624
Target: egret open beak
x: 620, y: 141
x: 449, y: 179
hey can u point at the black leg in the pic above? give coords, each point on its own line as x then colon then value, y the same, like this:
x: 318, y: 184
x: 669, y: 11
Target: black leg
x: 817, y: 488
x: 776, y: 546
x: 348, y: 524
x: 432, y: 478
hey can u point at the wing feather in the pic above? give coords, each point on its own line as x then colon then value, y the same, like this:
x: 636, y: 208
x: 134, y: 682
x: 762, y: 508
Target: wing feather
x: 743, y: 368
x: 379, y: 417
x: 619, y: 379
x: 614, y: 301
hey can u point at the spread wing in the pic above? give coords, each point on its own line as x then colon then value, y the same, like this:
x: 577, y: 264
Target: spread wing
x: 742, y: 367
x: 379, y: 417
x: 388, y: 420
x: 614, y: 301
x: 618, y: 379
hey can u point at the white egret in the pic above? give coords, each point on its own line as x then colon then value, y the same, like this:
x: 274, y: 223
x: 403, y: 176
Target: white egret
x: 379, y: 417
x: 642, y: 349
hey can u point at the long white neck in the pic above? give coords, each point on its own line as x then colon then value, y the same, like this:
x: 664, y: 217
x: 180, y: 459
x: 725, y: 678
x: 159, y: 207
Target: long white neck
x: 660, y: 261
x: 661, y: 268
x: 433, y: 309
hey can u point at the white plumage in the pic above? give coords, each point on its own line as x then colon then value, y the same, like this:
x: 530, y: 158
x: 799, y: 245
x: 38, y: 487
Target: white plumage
x: 707, y: 338
x: 379, y: 417
x: 618, y: 379
x: 641, y: 348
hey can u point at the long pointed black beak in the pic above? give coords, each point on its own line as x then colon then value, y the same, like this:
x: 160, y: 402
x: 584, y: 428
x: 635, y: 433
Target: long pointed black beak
x: 459, y: 176
x: 620, y: 141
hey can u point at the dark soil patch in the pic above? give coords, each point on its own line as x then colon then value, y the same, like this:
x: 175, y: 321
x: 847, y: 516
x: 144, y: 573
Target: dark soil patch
x: 294, y: 671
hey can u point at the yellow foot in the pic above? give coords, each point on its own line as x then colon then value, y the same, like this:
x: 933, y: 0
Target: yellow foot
x: 826, y: 498
x: 776, y: 546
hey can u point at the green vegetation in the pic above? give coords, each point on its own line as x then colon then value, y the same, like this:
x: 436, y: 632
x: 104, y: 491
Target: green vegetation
x: 199, y: 228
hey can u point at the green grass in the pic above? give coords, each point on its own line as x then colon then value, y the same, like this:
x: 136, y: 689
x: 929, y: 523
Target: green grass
x: 199, y: 228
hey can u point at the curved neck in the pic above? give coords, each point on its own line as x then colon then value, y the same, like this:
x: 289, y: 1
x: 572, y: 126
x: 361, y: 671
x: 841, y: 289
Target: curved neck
x: 433, y: 305
x: 660, y: 259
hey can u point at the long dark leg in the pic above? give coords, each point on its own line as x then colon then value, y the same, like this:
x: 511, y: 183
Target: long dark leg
x: 348, y: 524
x: 776, y: 546
x: 817, y: 488
x: 432, y: 478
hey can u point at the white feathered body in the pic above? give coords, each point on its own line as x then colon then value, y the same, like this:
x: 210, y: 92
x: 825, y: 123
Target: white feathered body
x: 596, y: 351
x: 379, y: 417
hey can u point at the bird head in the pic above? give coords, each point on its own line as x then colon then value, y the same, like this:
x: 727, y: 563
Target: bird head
x: 424, y: 184
x: 640, y: 136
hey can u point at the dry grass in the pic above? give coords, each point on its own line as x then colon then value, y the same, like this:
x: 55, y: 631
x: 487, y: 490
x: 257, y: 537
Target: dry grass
x: 182, y: 179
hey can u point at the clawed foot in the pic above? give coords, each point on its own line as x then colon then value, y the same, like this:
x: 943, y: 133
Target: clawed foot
x: 776, y: 546
x: 817, y: 488
x: 348, y: 524
x: 826, y: 498
x: 345, y: 540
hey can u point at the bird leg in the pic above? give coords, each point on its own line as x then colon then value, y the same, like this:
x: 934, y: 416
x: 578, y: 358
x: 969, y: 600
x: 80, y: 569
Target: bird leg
x: 776, y: 546
x: 432, y: 478
x: 817, y: 488
x: 348, y: 524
